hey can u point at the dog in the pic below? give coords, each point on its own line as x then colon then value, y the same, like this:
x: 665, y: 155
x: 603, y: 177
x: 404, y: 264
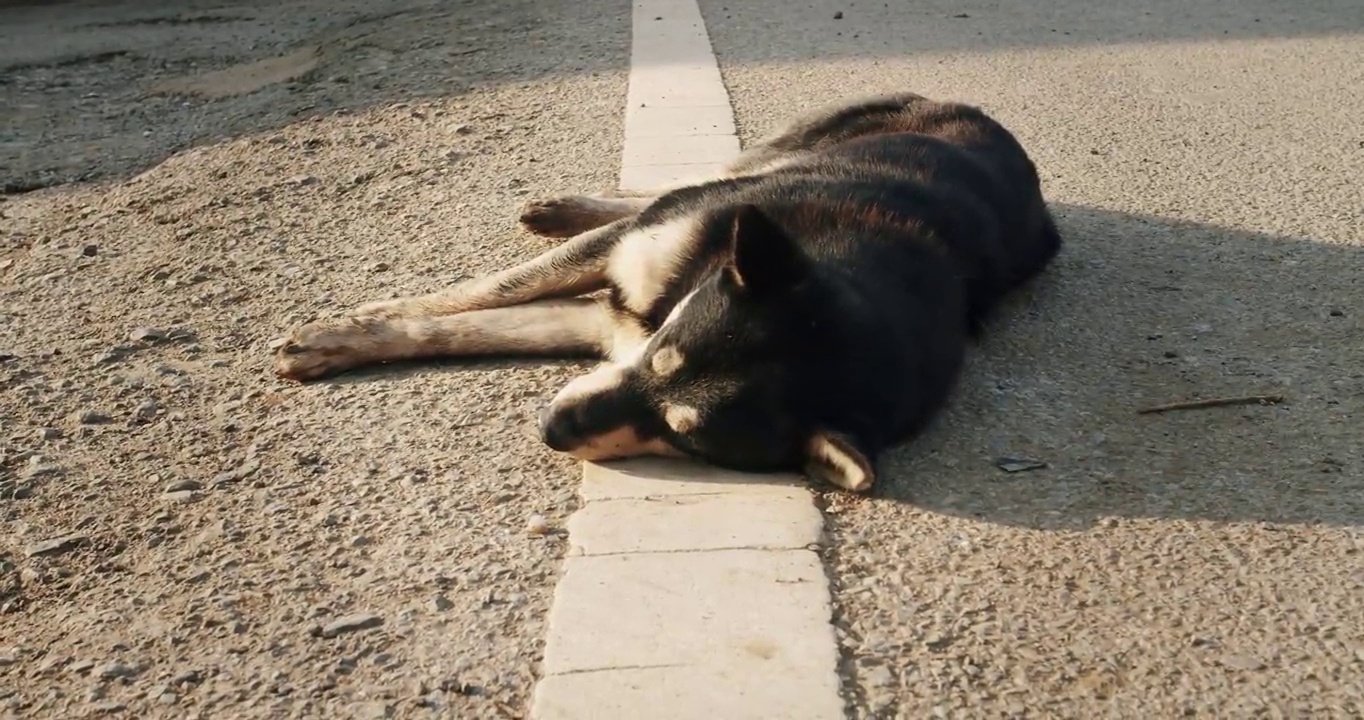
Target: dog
x: 807, y: 309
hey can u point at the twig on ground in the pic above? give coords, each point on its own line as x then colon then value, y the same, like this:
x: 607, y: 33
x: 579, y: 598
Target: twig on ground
x: 1213, y: 402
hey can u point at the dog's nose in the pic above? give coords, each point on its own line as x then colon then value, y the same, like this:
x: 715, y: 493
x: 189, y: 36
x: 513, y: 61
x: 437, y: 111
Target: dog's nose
x: 558, y: 430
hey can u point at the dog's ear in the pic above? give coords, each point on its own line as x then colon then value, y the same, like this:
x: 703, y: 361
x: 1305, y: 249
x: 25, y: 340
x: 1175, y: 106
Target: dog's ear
x: 763, y: 257
x: 838, y: 459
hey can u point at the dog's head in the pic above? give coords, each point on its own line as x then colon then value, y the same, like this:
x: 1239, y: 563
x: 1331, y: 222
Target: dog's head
x: 738, y: 375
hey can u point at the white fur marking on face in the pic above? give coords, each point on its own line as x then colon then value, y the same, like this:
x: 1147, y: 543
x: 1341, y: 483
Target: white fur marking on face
x: 605, y: 378
x: 681, y: 418
x: 666, y: 361
x: 646, y: 259
x: 676, y: 312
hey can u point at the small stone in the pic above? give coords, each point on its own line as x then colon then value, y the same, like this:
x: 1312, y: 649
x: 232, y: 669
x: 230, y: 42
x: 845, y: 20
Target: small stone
x: 186, y: 677
x: 838, y: 15
x: 376, y: 710
x: 538, y: 525
x: 1013, y: 465
x: 93, y: 417
x: 878, y: 677
x: 90, y: 250
x: 115, y: 670
x: 15, y: 491
x: 179, y: 496
x: 57, y: 546
x: 379, y: 267
x: 349, y: 624
x: 146, y: 334
x: 145, y: 412
x: 441, y: 603
x: 360, y: 541
x: 463, y: 130
x: 182, y: 485
x: 1241, y: 662
x: 49, y: 433
x: 38, y: 466
x: 303, y: 180
x: 1337, y: 312
x: 237, y: 474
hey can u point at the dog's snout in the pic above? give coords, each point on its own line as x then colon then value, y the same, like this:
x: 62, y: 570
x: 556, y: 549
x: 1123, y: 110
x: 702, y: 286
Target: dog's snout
x: 559, y: 430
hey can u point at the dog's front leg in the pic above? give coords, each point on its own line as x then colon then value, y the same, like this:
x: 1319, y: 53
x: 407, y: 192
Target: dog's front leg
x: 573, y: 268
x: 567, y: 327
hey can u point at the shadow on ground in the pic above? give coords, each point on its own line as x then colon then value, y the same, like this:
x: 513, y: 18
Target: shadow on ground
x: 830, y: 30
x: 1161, y: 312
x: 96, y: 89
x: 105, y: 89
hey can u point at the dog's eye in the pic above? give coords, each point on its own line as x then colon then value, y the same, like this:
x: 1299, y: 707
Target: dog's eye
x: 294, y: 349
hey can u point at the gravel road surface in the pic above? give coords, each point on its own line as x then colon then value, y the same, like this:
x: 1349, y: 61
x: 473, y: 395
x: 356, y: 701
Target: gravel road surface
x: 183, y: 535
x: 1205, y: 161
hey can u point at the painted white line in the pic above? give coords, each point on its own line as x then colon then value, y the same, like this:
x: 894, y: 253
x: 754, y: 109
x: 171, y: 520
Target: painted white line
x: 689, y: 592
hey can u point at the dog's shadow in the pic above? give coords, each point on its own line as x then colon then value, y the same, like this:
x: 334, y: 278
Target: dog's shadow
x: 1139, y: 312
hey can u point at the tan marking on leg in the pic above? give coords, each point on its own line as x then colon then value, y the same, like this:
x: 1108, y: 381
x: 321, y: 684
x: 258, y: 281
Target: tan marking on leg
x: 647, y: 258
x: 666, y: 361
x: 550, y: 327
x: 570, y: 215
x: 628, y: 342
x: 573, y: 268
x: 681, y: 418
x: 623, y: 442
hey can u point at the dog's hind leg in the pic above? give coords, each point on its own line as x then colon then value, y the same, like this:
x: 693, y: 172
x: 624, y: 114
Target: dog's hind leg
x: 573, y: 268
x: 565, y: 327
x: 569, y: 215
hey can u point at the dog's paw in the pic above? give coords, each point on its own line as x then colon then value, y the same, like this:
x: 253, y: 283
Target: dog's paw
x: 323, y: 348
x: 560, y: 217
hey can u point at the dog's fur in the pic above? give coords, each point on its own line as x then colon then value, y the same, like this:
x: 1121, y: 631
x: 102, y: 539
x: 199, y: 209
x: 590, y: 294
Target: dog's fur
x: 808, y: 309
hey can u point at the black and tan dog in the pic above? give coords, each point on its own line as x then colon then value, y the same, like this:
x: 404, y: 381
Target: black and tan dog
x: 807, y: 310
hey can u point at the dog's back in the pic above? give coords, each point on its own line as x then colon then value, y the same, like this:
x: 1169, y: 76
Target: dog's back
x: 899, y: 169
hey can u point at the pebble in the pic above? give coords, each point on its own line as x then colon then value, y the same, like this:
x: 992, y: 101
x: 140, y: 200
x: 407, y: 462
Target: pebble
x: 14, y: 491
x: 375, y: 709
x: 441, y: 603
x: 145, y: 412
x: 179, y: 496
x: 303, y: 180
x: 878, y: 677
x: 537, y: 525
x: 39, y: 466
x: 237, y: 474
x: 49, y: 433
x: 182, y: 485
x: 90, y: 250
x: 146, y: 334
x: 93, y: 417
x: 1241, y: 662
x: 348, y: 624
x: 116, y: 670
x: 186, y: 677
x: 57, y: 546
